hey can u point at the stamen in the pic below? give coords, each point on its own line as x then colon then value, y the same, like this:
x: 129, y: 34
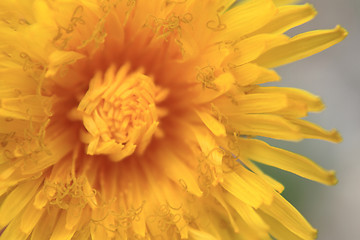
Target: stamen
x: 131, y: 3
x: 175, y: 1
x: 61, y: 39
x: 216, y: 25
x: 206, y: 76
x: 172, y: 24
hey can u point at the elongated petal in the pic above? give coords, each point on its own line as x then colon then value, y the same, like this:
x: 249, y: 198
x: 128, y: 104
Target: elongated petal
x: 251, y: 48
x: 311, y: 130
x: 209, y: 146
x: 34, y: 106
x: 60, y: 231
x: 243, y: 186
x: 12, y: 231
x: 60, y: 58
x: 250, y: 73
x: 265, y: 125
x: 286, y: 214
x: 261, y: 152
x: 254, y: 168
x: 17, y: 200
x: 218, y: 196
x: 285, y: 2
x: 30, y: 218
x: 289, y: 17
x: 180, y: 173
x: 313, y: 103
x: 221, y: 85
x: 200, y: 235
x: 247, y: 213
x: 60, y: 146
x: 278, y: 230
x: 254, y: 103
x: 301, y: 46
x: 247, y: 17
x: 216, y: 127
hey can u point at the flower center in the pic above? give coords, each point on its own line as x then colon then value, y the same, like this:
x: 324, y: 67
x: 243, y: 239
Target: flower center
x: 119, y: 113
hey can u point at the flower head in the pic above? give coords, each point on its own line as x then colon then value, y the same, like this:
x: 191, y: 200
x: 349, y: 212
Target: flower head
x: 136, y: 119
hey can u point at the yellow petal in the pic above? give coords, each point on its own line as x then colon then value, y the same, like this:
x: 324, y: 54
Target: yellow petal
x: 12, y: 231
x: 146, y: 139
x: 247, y: 213
x: 301, y: 46
x: 60, y: 231
x: 218, y: 195
x: 89, y: 193
x: 285, y: 2
x: 216, y: 127
x: 288, y: 17
x: 40, y: 199
x: 278, y: 230
x: 261, y: 152
x: 34, y: 106
x: 247, y: 187
x: 286, y: 214
x: 30, y: 218
x: 253, y: 103
x: 43, y: 13
x: 179, y: 172
x: 222, y: 83
x: 200, y: 235
x: 208, y: 146
x: 313, y: 103
x: 139, y: 225
x: 273, y: 183
x: 17, y: 200
x: 61, y: 58
x: 10, y: 125
x: 225, y: 5
x: 59, y: 148
x: 251, y: 73
x: 6, y: 170
x: 98, y: 231
x: 311, y: 130
x: 247, y: 17
x: 265, y: 125
x: 251, y: 48
x: 73, y: 215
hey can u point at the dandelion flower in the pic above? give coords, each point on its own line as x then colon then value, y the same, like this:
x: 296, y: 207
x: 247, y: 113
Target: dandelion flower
x: 137, y: 119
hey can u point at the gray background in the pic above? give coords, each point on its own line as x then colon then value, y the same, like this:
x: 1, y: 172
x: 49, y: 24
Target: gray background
x: 335, y: 76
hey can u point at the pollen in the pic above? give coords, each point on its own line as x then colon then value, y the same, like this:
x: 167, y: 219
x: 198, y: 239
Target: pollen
x: 119, y: 113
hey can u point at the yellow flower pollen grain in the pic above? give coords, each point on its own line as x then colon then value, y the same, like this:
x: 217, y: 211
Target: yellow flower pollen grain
x: 136, y: 119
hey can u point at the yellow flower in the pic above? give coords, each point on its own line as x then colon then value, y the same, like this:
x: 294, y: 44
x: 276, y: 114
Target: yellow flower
x: 137, y: 119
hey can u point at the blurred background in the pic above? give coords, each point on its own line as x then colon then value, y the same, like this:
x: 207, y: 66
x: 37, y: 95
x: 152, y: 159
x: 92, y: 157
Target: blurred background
x: 335, y: 76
